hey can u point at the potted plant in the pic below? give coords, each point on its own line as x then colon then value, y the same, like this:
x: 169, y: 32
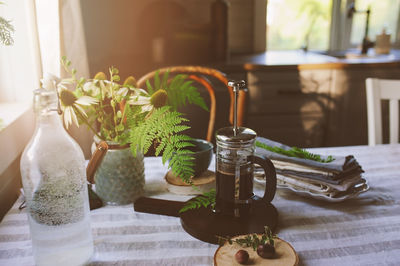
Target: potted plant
x: 130, y: 120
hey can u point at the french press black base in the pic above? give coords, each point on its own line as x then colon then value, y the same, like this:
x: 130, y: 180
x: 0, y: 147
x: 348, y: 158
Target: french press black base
x: 207, y: 226
x: 237, y: 210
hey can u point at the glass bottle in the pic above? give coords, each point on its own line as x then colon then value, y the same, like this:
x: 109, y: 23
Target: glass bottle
x: 54, y: 182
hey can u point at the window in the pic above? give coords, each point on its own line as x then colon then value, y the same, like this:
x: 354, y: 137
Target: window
x: 18, y: 78
x: 18, y: 74
x: 384, y: 15
x: 292, y: 24
x: 325, y: 24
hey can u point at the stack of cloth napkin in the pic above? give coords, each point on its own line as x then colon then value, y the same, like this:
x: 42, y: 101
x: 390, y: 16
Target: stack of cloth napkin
x: 340, y: 178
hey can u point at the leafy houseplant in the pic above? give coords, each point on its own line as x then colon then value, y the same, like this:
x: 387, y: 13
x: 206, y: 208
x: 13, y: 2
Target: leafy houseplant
x: 6, y: 29
x: 124, y: 115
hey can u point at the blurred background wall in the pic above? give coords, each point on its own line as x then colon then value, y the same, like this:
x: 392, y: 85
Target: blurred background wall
x: 138, y: 36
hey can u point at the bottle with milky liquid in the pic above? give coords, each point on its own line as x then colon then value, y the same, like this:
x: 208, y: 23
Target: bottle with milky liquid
x: 54, y: 182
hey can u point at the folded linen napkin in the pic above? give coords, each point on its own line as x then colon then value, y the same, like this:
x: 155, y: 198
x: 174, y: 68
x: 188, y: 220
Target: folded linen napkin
x: 318, y: 188
x: 340, y: 164
x: 333, y: 179
x: 325, y: 185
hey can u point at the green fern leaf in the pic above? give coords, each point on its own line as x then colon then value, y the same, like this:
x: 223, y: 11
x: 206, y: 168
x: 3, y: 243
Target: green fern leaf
x: 295, y: 152
x: 204, y: 200
x: 164, y: 81
x: 178, y: 80
x: 157, y: 81
x: 180, y: 90
x: 150, y: 89
x: 164, y: 127
x: 160, y: 148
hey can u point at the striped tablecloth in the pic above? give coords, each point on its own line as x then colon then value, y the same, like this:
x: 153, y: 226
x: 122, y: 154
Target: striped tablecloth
x: 360, y: 231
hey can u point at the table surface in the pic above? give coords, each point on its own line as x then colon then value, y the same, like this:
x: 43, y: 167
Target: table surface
x: 360, y: 231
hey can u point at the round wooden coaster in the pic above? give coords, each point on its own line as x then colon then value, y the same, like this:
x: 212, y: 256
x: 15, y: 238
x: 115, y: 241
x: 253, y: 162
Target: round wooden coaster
x: 205, y: 182
x: 285, y: 255
x: 206, y: 225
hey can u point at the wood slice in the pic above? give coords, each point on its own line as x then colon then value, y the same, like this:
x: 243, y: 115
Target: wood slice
x: 205, y: 182
x: 285, y: 255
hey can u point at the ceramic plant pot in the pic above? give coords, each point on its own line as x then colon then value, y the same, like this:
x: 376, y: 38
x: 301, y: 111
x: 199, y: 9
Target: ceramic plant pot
x: 119, y: 178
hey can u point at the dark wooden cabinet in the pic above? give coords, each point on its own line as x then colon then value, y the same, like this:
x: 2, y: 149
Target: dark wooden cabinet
x: 312, y: 105
x: 289, y: 105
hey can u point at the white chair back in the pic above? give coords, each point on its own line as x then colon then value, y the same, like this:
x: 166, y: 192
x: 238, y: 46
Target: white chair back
x: 377, y: 90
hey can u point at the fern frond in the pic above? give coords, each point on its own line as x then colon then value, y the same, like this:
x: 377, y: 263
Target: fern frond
x: 180, y: 90
x: 204, y: 200
x: 165, y: 127
x: 182, y: 165
x: 167, y: 154
x: 157, y: 80
x: 160, y: 148
x: 178, y: 80
x: 296, y: 152
x: 150, y: 89
x: 195, y: 98
x: 164, y: 80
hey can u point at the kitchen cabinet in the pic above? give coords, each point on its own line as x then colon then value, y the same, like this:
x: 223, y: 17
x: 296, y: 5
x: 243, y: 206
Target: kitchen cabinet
x: 313, y: 105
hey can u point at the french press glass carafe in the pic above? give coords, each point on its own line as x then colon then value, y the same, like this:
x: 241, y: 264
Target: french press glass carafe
x: 235, y: 161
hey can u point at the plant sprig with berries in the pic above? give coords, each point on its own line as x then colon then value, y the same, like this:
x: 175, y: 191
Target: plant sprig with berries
x: 252, y: 240
x: 265, y: 246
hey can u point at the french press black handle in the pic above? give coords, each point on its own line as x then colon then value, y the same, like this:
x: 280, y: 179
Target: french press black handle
x: 270, y: 176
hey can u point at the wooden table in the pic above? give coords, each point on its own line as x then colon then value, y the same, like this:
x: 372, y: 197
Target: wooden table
x: 360, y: 231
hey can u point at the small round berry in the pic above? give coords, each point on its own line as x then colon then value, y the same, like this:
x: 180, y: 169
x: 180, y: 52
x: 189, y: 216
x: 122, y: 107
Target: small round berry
x: 266, y: 251
x: 242, y: 256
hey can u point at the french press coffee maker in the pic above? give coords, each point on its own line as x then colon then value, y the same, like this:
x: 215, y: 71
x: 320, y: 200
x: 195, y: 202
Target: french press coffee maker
x: 237, y: 209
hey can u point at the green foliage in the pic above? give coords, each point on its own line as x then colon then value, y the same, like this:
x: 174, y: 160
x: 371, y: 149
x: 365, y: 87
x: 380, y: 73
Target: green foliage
x: 163, y: 128
x: 251, y: 240
x: 125, y: 114
x: 296, y: 152
x: 180, y: 90
x: 204, y: 200
x: 6, y: 30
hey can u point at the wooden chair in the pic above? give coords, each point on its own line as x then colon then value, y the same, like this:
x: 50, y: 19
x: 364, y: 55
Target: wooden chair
x: 377, y: 90
x: 208, y: 78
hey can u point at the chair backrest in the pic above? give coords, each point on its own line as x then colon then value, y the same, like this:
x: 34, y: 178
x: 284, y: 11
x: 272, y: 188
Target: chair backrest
x: 377, y: 90
x: 207, y: 78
